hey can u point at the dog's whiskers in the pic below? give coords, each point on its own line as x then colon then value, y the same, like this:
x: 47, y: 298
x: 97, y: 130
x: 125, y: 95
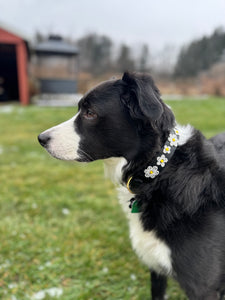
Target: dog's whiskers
x: 86, y: 154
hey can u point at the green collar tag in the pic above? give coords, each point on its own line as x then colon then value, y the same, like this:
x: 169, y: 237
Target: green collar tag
x: 135, y: 207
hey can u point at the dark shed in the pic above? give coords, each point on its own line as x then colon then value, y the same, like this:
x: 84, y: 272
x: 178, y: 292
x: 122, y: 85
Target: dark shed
x: 56, y: 66
x: 13, y: 67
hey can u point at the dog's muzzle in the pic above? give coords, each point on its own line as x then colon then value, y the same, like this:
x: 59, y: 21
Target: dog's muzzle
x: 61, y: 141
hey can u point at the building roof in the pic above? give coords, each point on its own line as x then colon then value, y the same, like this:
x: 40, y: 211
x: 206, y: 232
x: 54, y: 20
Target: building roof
x: 55, y: 45
x: 14, y: 31
x: 10, y: 35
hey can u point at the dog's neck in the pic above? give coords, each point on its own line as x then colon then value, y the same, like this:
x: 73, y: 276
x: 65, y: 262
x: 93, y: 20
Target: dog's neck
x: 158, y: 163
x: 118, y: 168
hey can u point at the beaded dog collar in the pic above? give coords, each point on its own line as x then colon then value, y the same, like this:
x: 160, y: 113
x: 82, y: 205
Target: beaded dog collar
x: 161, y: 161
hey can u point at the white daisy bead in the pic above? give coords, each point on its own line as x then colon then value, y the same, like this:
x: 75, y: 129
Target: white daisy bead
x: 162, y: 160
x: 167, y: 149
x: 176, y: 131
x: 151, y: 172
x: 173, y: 140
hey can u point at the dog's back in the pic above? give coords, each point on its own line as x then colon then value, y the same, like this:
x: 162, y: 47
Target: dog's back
x: 219, y: 144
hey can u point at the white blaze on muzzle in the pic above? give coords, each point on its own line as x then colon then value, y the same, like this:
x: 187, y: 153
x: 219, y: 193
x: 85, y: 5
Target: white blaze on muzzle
x: 62, y: 140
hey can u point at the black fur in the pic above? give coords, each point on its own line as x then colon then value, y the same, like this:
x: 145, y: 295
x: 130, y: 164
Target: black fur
x: 185, y: 203
x: 158, y: 286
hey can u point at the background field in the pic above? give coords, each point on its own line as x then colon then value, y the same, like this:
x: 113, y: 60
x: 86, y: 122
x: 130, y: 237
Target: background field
x: 60, y: 224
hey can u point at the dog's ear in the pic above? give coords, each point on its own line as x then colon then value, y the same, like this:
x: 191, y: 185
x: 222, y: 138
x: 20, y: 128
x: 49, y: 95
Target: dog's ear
x: 142, y: 87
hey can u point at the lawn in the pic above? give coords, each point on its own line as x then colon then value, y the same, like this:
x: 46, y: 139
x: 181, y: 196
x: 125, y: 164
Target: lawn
x: 62, y: 232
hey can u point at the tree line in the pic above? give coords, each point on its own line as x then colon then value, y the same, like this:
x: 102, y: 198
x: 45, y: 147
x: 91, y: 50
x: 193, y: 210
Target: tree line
x: 99, y: 55
x: 200, y: 54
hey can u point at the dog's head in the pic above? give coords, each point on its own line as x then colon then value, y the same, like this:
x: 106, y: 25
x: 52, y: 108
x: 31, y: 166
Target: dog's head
x: 113, y: 119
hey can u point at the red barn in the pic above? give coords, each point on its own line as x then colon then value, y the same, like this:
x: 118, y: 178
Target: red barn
x: 13, y: 67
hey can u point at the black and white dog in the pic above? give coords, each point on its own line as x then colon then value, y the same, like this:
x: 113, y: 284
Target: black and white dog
x: 171, y: 180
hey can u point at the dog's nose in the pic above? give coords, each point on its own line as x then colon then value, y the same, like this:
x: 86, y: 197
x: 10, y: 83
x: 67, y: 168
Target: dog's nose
x: 43, y: 139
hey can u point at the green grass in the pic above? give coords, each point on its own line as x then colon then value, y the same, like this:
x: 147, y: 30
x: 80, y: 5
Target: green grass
x: 60, y: 223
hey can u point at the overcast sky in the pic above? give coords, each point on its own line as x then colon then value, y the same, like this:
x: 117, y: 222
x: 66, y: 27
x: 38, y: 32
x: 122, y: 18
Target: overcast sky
x: 155, y: 22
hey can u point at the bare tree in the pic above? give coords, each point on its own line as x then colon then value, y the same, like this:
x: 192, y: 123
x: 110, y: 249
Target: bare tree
x: 124, y: 61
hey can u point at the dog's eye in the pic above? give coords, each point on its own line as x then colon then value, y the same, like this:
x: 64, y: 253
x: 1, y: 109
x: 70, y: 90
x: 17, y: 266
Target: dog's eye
x: 89, y: 115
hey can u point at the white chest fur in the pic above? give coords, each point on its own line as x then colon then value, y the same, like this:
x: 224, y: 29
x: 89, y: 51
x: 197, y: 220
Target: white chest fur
x: 152, y: 251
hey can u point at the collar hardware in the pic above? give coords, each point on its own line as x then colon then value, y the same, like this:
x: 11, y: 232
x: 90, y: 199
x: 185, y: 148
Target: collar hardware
x: 134, y: 206
x: 128, y: 185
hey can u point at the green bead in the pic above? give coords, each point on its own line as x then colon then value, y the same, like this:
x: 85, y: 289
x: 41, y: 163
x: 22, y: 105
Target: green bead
x: 135, y: 207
